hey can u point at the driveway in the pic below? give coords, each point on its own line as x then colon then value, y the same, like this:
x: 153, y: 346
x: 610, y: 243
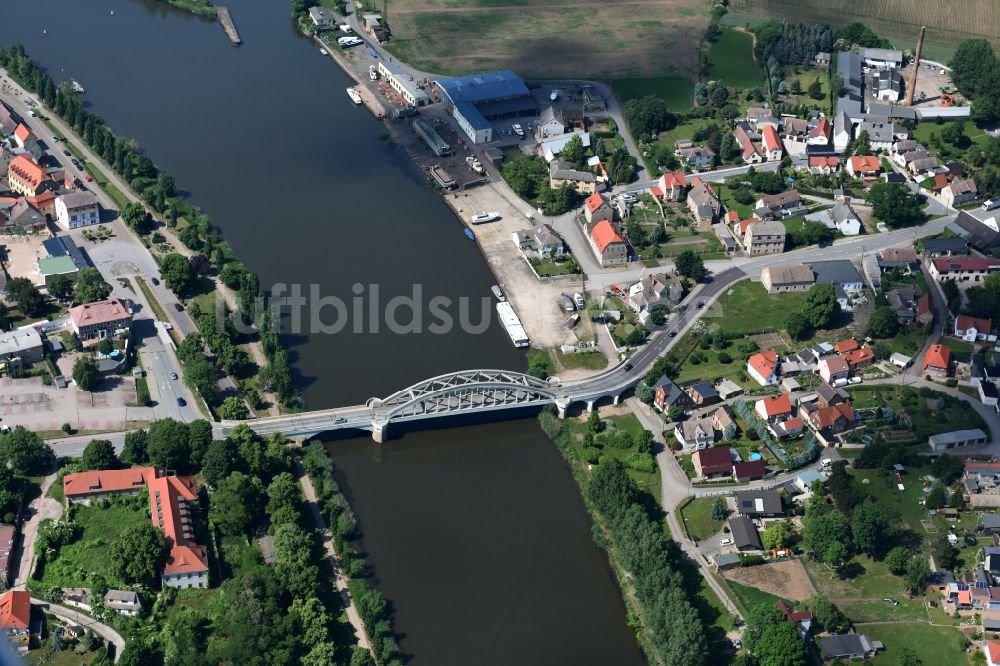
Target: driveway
x: 41, y: 507
x: 74, y: 616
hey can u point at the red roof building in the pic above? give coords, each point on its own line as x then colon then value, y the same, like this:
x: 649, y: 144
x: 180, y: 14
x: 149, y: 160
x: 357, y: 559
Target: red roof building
x: 772, y: 142
x: 593, y: 202
x: 835, y: 418
x: 972, y: 328
x: 608, y: 245
x: 170, y: 499
x: 749, y: 471
x: 992, y: 650
x: 802, y: 619
x: 937, y: 361
x: 101, y: 319
x: 824, y: 162
x: 864, y: 165
x: 773, y: 407
x: 15, y: 610
x: 963, y: 269
x: 669, y: 185
x: 845, y: 346
x: 748, y: 150
x: 25, y: 176
x: 23, y: 133
x: 859, y: 358
x: 714, y: 460
x: 763, y: 367
x: 85, y: 486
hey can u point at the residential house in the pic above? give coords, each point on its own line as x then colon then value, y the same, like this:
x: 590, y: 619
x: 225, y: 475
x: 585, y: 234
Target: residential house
x: 596, y: 207
x: 744, y: 534
x: 753, y: 470
x: 864, y: 166
x: 904, y: 146
x: 667, y: 394
x: 824, y: 165
x: 710, y: 463
x: 794, y: 130
x: 772, y: 144
x: 843, y: 131
x: 834, y: 419
x: 937, y: 362
x: 541, y: 240
x: 925, y: 309
x: 759, y: 504
x: 839, y: 217
x: 21, y: 347
x: 843, y: 276
x: 923, y: 166
x: 904, y: 157
x: 848, y: 646
x: 756, y: 112
x: 561, y: 174
x: 699, y: 158
x: 77, y: 597
x: 982, y: 235
x: 820, y: 133
x: 22, y: 135
x: 670, y: 186
x: 972, y: 329
x: 749, y: 150
x: 801, y: 619
x: 957, y: 439
x: 696, y: 433
x: 787, y: 428
x: 78, y: 209
x: 859, y: 358
x: 963, y: 269
x: 652, y: 290
x: 15, y: 618
x: 373, y: 26
x: 727, y: 389
x: 724, y: 561
x: 827, y: 395
x: 764, y: 237
x: 788, y: 277
x: 773, y: 408
x: 960, y: 192
x: 881, y: 58
x: 992, y: 651
x: 901, y: 258
x: 989, y: 394
x: 322, y: 18
x: 763, y: 367
x: 22, y: 216
x: 123, y: 602
x: 804, y: 481
x: 902, y: 300
x: 8, y: 120
x: 551, y: 123
x: 833, y: 368
x: 781, y: 201
x: 609, y: 247
x: 822, y: 60
x: 989, y: 523
x: 704, y: 204
x: 100, y: 319
x: 703, y: 393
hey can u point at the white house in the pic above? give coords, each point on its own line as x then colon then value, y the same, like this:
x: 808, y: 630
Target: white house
x: 840, y: 217
x: 763, y: 367
x: 78, y: 209
x: 843, y: 130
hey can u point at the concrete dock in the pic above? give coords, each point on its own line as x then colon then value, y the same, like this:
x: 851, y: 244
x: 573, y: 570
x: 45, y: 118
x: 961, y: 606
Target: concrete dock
x: 222, y: 13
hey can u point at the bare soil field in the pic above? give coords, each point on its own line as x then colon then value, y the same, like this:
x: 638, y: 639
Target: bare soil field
x: 549, y: 38
x: 786, y: 579
x: 947, y: 23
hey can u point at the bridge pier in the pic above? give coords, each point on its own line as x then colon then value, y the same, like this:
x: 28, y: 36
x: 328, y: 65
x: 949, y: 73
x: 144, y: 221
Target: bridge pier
x: 380, y: 431
x: 562, y: 406
x: 616, y: 400
x: 590, y: 405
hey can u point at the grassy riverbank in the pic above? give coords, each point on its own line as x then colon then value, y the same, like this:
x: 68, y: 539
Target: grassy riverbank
x: 196, y: 7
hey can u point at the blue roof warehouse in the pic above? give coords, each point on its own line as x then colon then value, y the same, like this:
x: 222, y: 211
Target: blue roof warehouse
x: 477, y: 99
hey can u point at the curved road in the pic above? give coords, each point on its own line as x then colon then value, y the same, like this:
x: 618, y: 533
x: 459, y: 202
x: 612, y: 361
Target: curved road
x: 75, y: 616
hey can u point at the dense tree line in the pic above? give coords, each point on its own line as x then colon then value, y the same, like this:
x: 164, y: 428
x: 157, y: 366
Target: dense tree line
x: 858, y: 35
x: 676, y: 631
x: 976, y: 73
x: 792, y: 43
x: 159, y: 191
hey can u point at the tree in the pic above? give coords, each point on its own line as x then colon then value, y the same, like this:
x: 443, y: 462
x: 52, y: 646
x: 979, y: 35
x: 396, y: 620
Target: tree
x: 827, y: 615
x: 957, y: 499
x: 136, y: 216
x: 85, y: 372
x: 826, y: 537
x: 105, y: 346
x: 168, y: 444
x: 139, y: 553
x: 135, y: 450
x: 863, y: 143
x: 815, y: 89
x: 935, y: 498
x: 573, y: 152
x: 177, y: 273
x: 772, y: 639
x: 797, y: 325
x: 25, y: 295
x: 217, y: 462
x: 775, y: 536
x: 820, y: 307
x: 648, y: 116
x: 796, y: 87
x: 90, y: 286
x: 689, y: 264
x: 898, y: 559
x: 26, y: 452
x: 972, y: 66
x: 719, y: 509
x: 894, y: 204
x: 917, y: 572
x: 99, y: 454
x: 871, y: 529
x: 945, y: 555
x: 236, y: 503
x: 645, y: 393
x: 60, y: 287
x: 234, y: 409
x: 719, y: 96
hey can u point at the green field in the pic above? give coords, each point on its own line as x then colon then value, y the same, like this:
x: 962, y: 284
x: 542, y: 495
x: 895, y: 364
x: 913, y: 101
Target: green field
x: 697, y: 517
x: 862, y: 592
x: 748, y: 597
x: 577, y: 427
x: 930, y: 644
x: 731, y: 60
x: 748, y: 308
x: 676, y: 91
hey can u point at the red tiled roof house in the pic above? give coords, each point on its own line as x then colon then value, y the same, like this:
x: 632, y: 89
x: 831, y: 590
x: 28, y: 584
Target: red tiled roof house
x: 712, y: 462
x: 101, y: 319
x: 937, y: 362
x: 763, y: 367
x: 609, y: 247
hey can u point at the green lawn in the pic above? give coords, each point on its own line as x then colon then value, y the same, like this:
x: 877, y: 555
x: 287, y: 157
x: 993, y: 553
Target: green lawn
x: 81, y: 563
x: 649, y: 481
x: 862, y: 592
x: 957, y: 346
x: 151, y: 298
x: 748, y: 597
x: 697, y: 517
x: 726, y: 195
x: 747, y: 308
x: 709, y: 367
x: 806, y: 78
x: 930, y: 644
x: 549, y: 268
x: 714, y: 609
x: 921, y: 417
x: 731, y: 60
x: 676, y: 91
x: 591, y: 360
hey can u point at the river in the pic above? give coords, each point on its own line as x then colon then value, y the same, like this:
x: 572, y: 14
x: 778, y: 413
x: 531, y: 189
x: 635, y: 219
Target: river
x: 476, y: 533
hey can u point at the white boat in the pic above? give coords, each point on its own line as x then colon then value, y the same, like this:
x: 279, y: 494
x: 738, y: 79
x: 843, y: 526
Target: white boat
x: 498, y: 292
x: 512, y: 324
x: 484, y: 216
x: 354, y: 95
x: 323, y: 51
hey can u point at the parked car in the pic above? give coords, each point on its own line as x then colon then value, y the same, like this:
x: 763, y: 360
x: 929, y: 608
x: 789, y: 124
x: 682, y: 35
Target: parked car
x: 484, y: 216
x: 518, y: 130
x: 55, y: 139
x: 173, y: 375
x: 854, y: 380
x: 66, y: 152
x: 178, y: 307
x: 154, y: 281
x: 726, y: 542
x: 181, y: 402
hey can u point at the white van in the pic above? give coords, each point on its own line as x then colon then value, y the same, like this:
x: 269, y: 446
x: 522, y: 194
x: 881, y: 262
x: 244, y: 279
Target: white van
x: 825, y: 462
x: 990, y: 204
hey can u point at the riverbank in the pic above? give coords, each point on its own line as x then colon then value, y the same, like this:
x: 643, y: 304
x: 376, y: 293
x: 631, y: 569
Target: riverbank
x: 196, y: 7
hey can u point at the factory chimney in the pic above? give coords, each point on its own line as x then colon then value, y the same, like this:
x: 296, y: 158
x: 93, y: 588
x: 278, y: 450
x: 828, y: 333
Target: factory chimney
x: 911, y: 87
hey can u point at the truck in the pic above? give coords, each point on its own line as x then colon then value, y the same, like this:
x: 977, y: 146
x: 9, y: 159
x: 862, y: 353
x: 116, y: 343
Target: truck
x: 475, y: 165
x: 990, y: 204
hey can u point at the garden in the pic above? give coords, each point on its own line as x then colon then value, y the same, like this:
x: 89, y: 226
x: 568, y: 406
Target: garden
x: 912, y: 415
x: 621, y: 437
x: 702, y: 517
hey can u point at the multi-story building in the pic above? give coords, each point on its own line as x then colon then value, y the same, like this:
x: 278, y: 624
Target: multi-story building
x: 963, y: 269
x: 27, y: 177
x: 101, y: 319
x: 78, y: 209
x: 764, y: 237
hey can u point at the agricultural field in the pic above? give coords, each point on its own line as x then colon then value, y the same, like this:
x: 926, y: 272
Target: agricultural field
x: 894, y: 19
x: 546, y: 38
x: 676, y: 91
x: 731, y: 60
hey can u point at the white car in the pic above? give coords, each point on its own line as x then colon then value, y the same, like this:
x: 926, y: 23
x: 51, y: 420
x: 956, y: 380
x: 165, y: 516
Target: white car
x: 484, y: 216
x: 518, y: 130
x: 854, y: 380
x: 726, y: 542
x: 554, y: 95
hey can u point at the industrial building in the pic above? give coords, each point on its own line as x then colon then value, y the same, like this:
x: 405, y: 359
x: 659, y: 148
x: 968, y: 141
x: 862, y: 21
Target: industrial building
x: 477, y: 99
x: 410, y: 90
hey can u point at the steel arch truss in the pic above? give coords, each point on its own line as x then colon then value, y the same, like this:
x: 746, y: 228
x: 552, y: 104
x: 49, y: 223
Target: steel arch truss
x: 463, y: 391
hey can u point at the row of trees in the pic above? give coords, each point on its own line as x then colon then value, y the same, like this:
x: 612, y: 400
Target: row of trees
x: 976, y: 72
x: 158, y: 190
x: 819, y: 311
